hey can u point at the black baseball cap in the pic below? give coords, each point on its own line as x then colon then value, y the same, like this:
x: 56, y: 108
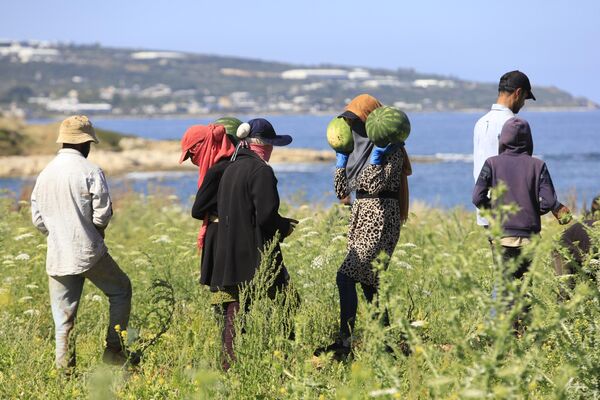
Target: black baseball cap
x: 513, y: 80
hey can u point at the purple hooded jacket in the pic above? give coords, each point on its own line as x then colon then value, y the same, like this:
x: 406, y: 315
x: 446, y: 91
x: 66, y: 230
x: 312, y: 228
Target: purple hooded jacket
x: 527, y: 178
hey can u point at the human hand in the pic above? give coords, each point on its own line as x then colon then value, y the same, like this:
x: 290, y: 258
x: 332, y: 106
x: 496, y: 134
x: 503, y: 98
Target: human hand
x: 563, y: 214
x: 293, y: 224
x: 341, y: 159
x: 379, y: 152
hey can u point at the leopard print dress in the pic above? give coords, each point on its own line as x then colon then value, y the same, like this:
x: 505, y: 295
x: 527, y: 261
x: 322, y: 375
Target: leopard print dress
x: 374, y: 222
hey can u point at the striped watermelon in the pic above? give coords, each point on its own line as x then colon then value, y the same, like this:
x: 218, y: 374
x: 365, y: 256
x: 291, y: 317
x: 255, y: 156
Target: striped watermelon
x: 387, y: 125
x: 339, y: 136
x: 231, y: 124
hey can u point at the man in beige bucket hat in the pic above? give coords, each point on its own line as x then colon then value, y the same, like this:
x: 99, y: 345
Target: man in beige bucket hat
x: 71, y: 205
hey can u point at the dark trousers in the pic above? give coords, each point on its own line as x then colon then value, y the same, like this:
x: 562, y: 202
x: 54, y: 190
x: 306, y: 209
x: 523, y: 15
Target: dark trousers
x: 512, y: 254
x: 228, y: 312
x: 349, y: 302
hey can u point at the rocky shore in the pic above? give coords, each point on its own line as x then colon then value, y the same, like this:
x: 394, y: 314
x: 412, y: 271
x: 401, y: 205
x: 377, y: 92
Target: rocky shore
x: 145, y: 155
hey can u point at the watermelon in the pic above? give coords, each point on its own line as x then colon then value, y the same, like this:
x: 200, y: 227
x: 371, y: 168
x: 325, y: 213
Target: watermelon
x: 387, y: 125
x: 339, y: 136
x: 231, y: 124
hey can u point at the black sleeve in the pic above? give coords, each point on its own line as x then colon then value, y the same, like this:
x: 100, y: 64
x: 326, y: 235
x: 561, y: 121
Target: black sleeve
x: 206, y: 198
x: 263, y: 189
x: 482, y: 186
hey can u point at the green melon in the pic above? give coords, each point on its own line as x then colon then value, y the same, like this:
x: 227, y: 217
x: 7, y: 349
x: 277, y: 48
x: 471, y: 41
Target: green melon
x: 387, y: 125
x: 231, y: 124
x: 339, y: 136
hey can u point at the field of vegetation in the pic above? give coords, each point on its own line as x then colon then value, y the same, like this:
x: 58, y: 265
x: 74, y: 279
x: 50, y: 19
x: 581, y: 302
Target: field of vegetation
x: 437, y: 290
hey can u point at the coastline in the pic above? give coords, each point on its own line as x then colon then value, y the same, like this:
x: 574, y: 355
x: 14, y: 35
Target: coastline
x: 58, y: 117
x: 142, y: 155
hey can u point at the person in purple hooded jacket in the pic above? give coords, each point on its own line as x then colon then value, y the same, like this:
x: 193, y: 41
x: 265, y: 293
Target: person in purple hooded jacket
x: 529, y: 186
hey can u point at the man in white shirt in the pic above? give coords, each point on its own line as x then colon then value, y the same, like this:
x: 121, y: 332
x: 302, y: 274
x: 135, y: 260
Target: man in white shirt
x: 513, y: 89
x: 71, y: 205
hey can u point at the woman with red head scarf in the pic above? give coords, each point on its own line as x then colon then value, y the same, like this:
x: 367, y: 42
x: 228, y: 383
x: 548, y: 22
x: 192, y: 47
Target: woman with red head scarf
x: 210, y: 148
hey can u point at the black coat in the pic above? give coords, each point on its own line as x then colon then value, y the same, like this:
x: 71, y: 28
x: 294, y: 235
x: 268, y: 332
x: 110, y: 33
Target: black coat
x: 248, y: 208
x: 205, y: 204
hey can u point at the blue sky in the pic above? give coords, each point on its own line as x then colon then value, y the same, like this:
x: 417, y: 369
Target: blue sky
x: 554, y: 42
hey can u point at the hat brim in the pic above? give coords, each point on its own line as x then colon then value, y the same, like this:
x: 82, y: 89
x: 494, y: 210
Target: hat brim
x: 278, y: 140
x: 349, y: 115
x: 530, y: 96
x: 184, y: 156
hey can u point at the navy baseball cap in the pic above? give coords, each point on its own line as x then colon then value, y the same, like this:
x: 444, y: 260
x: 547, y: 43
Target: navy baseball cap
x: 262, y: 129
x: 513, y: 80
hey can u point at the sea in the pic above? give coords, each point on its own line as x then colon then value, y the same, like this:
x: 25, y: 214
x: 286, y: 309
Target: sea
x: 569, y: 143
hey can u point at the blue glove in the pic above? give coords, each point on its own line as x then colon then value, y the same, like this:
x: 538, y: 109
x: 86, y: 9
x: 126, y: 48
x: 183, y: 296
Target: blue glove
x: 341, y: 160
x: 378, y: 153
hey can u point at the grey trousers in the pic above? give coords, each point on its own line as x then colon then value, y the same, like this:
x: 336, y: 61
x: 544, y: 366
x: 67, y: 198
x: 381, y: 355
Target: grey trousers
x: 65, y: 293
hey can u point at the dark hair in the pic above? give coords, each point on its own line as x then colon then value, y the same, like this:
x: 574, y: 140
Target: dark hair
x: 595, y: 204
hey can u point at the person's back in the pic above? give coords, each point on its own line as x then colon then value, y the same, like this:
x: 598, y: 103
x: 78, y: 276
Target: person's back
x: 248, y: 205
x: 71, y: 205
x: 528, y: 181
x: 66, y: 196
x: 513, y: 89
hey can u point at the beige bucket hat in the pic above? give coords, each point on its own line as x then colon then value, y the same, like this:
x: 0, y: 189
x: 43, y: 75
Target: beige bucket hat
x: 76, y: 129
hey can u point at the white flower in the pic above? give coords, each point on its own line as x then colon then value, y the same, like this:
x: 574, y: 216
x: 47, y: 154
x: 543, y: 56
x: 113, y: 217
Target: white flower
x: 31, y: 286
x: 141, y: 262
x: 408, y: 245
x: 23, y: 257
x: 23, y: 236
x: 317, y: 262
x: 162, y: 239
x: 418, y: 324
x: 31, y: 312
x: 25, y: 298
x: 405, y: 265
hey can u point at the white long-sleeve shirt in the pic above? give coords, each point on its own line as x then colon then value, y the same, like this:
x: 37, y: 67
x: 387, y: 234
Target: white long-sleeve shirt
x: 70, y: 204
x: 485, y: 140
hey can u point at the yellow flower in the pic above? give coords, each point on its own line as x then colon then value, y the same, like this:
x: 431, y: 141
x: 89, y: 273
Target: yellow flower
x: 123, y: 334
x: 118, y: 328
x: 282, y: 390
x: 419, y: 349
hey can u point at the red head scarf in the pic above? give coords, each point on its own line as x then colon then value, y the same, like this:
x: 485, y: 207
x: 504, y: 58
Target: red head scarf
x: 205, y: 145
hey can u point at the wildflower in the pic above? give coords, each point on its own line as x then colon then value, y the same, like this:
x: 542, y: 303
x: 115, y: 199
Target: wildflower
x: 118, y: 328
x: 405, y: 265
x: 408, y: 245
x: 162, y: 239
x: 418, y: 324
x: 124, y: 335
x: 283, y: 390
x: 317, y: 262
x: 419, y: 349
x: 278, y: 354
x: 23, y: 236
x: 22, y: 257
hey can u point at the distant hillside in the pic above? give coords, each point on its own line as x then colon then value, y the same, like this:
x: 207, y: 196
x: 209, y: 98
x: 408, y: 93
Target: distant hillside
x: 39, y: 79
x: 19, y: 139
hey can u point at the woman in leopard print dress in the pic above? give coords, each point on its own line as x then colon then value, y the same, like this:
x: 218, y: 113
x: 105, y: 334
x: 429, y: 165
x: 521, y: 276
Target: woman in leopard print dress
x: 376, y: 174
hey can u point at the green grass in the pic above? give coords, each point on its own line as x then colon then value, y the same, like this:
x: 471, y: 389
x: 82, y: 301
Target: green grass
x: 436, y: 289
